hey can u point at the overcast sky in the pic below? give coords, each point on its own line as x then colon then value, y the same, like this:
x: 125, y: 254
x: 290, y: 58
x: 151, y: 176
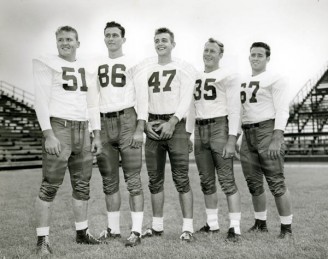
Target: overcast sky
x: 295, y: 30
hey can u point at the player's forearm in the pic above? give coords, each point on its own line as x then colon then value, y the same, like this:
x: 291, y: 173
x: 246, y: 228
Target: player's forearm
x: 140, y: 126
x: 278, y: 135
x: 48, y: 133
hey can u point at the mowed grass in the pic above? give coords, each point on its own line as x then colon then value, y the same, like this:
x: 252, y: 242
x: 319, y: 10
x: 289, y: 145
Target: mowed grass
x: 308, y: 184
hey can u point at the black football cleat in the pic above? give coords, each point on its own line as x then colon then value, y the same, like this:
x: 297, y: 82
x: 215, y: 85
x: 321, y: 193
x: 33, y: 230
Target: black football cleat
x: 285, y: 231
x: 259, y: 226
x: 151, y: 233
x: 207, y: 229
x: 134, y: 239
x: 43, y: 248
x: 84, y: 237
x: 232, y: 236
x: 187, y: 236
x: 106, y: 236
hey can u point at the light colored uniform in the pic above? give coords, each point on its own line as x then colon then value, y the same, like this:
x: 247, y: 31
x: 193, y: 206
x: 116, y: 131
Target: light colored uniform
x: 61, y: 105
x: 113, y: 97
x: 170, y: 89
x: 217, y: 111
x: 265, y: 108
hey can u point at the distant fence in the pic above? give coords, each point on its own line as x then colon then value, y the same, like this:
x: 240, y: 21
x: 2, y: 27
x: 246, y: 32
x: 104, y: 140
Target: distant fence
x: 17, y: 93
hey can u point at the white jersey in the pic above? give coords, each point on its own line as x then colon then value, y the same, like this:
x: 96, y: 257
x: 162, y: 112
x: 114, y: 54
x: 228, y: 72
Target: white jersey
x: 264, y: 97
x: 216, y: 94
x: 113, y: 88
x: 60, y: 90
x: 170, y: 86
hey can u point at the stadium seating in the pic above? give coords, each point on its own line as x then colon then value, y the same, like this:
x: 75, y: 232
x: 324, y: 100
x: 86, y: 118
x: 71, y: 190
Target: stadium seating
x: 306, y: 133
x: 20, y: 134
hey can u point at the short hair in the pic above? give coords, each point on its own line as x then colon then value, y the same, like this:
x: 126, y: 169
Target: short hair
x: 262, y: 45
x: 165, y: 30
x: 67, y: 29
x: 114, y: 24
x: 219, y: 43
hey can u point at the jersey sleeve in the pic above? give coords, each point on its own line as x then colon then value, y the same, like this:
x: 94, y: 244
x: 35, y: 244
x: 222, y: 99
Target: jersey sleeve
x: 93, y: 95
x: 141, y: 90
x: 281, y: 103
x: 42, y: 76
x: 188, y: 75
x: 232, y: 85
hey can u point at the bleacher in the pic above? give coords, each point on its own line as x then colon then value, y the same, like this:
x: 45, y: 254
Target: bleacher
x: 306, y: 133
x: 20, y: 134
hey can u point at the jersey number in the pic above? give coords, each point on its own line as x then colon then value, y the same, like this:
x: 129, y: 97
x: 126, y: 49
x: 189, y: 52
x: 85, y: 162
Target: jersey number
x: 117, y: 79
x: 208, y: 87
x: 72, y: 77
x: 253, y: 97
x: 155, y: 82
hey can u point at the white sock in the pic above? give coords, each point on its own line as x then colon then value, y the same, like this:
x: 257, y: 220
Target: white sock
x: 137, y: 218
x: 188, y: 225
x: 235, y: 221
x: 114, y: 221
x: 286, y: 220
x: 81, y: 225
x: 158, y: 223
x: 212, y: 218
x: 44, y: 231
x: 260, y: 215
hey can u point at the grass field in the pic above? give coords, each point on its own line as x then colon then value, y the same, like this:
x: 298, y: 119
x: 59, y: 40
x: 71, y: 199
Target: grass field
x: 308, y: 184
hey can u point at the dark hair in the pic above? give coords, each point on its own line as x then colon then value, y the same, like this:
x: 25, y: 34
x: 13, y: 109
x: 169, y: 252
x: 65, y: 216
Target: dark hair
x: 165, y: 30
x: 219, y: 43
x: 67, y: 29
x: 114, y: 24
x: 262, y: 45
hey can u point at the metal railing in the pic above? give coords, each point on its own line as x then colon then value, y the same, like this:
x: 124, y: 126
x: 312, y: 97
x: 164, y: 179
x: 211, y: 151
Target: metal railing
x: 17, y: 93
x: 306, y: 89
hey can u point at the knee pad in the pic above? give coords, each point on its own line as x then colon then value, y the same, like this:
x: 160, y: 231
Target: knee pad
x: 229, y: 189
x: 81, y: 191
x: 208, y: 189
x: 48, y: 192
x: 278, y: 189
x: 109, y: 187
x: 255, y: 190
x: 182, y: 186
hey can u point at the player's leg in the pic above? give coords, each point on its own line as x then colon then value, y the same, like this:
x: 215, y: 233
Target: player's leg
x: 53, y: 172
x: 80, y: 168
x: 224, y: 167
x: 254, y: 177
x: 274, y: 173
x: 206, y: 169
x: 108, y: 164
x: 131, y: 165
x: 155, y: 154
x: 179, y: 159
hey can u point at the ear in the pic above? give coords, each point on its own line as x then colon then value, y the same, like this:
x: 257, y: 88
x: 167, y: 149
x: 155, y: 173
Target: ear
x: 220, y: 55
x: 173, y: 44
x: 78, y: 44
x: 268, y: 59
x: 124, y: 40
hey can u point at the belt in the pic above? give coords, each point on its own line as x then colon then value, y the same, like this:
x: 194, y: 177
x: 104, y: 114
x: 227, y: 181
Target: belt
x: 255, y: 125
x: 112, y: 114
x: 165, y: 117
x: 204, y: 121
x: 250, y: 126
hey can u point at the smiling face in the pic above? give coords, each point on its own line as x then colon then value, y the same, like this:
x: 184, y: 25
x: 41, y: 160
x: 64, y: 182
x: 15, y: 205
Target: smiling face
x: 163, y: 44
x: 211, y: 56
x: 113, y: 39
x: 258, y: 60
x: 67, y: 44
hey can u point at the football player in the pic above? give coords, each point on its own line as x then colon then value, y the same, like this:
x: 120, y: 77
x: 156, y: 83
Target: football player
x: 61, y: 108
x: 217, y: 111
x: 114, y: 99
x: 170, y: 87
x: 265, y: 110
